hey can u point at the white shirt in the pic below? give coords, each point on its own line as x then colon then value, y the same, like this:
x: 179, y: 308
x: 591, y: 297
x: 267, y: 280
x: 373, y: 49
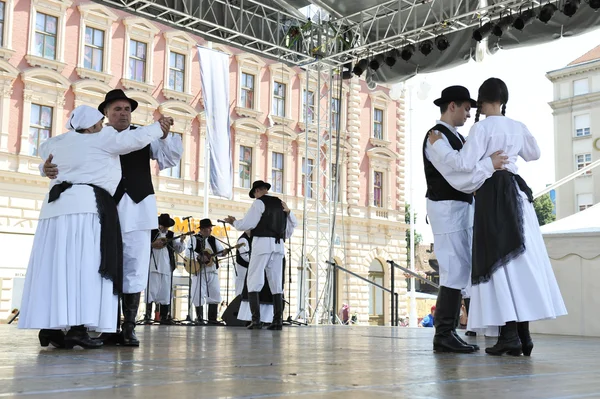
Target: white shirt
x: 493, y: 134
x: 193, y: 242
x: 159, y: 261
x: 452, y: 216
x: 264, y: 245
x: 90, y: 159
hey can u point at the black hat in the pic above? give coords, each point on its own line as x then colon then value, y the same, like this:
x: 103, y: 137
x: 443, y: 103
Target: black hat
x: 114, y: 95
x: 165, y: 220
x: 258, y: 184
x: 206, y: 223
x: 455, y: 93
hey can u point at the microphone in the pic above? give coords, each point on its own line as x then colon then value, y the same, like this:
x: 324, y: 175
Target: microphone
x: 221, y: 221
x: 186, y: 218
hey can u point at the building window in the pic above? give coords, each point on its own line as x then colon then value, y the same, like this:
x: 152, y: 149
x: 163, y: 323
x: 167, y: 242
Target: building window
x: 584, y: 160
x: 279, y: 99
x: 176, y: 71
x: 335, y: 114
x: 175, y: 171
x: 45, y: 36
x: 2, y: 24
x: 277, y: 172
x: 582, y: 125
x: 581, y: 87
x: 378, y: 189
x: 93, y: 52
x: 308, y: 167
x: 40, y: 126
x: 378, y: 123
x: 335, y: 190
x: 245, y: 166
x: 376, y: 275
x: 585, y: 201
x: 308, y: 106
x: 247, y: 93
x: 137, y: 60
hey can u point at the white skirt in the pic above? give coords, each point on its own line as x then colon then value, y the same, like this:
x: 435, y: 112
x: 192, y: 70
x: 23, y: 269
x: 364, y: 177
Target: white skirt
x: 523, y: 290
x: 266, y: 312
x: 63, y: 287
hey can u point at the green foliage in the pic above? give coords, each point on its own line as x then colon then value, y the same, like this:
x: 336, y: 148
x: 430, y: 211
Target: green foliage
x: 418, y: 237
x: 544, y: 209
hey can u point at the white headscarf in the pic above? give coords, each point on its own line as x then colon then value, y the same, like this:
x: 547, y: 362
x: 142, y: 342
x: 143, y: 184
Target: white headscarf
x: 83, y: 117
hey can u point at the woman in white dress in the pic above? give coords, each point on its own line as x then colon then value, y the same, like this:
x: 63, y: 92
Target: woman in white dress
x: 512, y: 278
x: 75, y: 270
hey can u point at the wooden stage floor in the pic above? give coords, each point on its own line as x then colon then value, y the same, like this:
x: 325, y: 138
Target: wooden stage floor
x: 309, y: 362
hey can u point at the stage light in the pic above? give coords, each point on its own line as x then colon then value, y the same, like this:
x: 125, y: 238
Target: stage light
x: 360, y: 67
x: 407, y: 52
x: 376, y: 62
x: 441, y: 42
x: 391, y: 57
x: 524, y: 19
x: 347, y: 71
x: 570, y: 7
x: 594, y: 4
x: 483, y: 32
x: 502, y: 26
x: 426, y: 47
x: 547, y: 12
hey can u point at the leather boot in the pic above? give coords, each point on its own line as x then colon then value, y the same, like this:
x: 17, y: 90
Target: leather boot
x: 213, y: 313
x: 254, y: 301
x: 277, y: 323
x: 131, y: 303
x: 508, y: 341
x: 148, y: 314
x: 164, y: 315
x: 78, y: 336
x: 525, y: 337
x: 444, y: 320
x: 200, y: 316
x: 54, y: 337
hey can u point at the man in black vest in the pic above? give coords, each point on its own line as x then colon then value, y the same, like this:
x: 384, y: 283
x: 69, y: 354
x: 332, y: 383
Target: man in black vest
x: 136, y: 206
x: 271, y: 222
x: 162, y: 264
x: 450, y: 214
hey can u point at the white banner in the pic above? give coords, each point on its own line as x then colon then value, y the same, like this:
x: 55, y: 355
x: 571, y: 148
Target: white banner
x: 214, y: 73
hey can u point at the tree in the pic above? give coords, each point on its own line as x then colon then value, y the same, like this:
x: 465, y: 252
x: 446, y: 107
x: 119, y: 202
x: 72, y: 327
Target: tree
x: 544, y: 209
x: 418, y: 237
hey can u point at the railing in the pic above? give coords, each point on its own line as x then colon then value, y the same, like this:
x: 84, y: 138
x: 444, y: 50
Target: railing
x: 567, y: 179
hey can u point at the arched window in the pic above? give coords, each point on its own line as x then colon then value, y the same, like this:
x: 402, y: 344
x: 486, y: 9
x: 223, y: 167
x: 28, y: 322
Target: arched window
x: 376, y: 275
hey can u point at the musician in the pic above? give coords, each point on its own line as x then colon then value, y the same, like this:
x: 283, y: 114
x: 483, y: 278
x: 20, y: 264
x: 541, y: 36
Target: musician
x: 242, y: 260
x: 162, y: 264
x: 207, y: 250
x: 271, y: 222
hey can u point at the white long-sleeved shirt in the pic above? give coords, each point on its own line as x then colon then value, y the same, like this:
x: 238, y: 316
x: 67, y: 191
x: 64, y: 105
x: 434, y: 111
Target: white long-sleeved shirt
x: 90, y: 159
x: 264, y: 245
x: 159, y: 260
x: 193, y: 242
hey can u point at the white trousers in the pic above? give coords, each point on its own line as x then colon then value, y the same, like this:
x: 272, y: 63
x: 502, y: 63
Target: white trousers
x: 272, y: 264
x: 209, y: 291
x: 239, y: 279
x: 453, y: 253
x: 159, y: 289
x: 136, y: 258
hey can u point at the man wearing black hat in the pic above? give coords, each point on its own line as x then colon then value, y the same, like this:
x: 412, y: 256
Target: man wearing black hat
x: 271, y: 222
x: 136, y: 206
x: 162, y: 265
x: 450, y: 214
x: 206, y: 286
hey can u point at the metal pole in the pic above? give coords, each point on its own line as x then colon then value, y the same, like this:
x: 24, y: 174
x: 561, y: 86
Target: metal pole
x: 206, y: 163
x: 413, y: 302
x: 392, y: 286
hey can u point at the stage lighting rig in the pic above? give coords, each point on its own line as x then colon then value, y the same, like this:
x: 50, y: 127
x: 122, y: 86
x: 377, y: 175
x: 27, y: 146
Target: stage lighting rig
x: 547, y: 12
x: 360, y: 67
x: 441, y: 42
x: 426, y: 47
x: 482, y: 32
x: 407, y: 52
x: 524, y: 19
x: 594, y: 4
x: 502, y: 26
x: 570, y: 7
x: 376, y: 62
x: 391, y: 57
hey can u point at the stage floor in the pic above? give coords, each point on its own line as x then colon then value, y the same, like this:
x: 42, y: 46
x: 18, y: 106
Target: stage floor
x: 311, y: 362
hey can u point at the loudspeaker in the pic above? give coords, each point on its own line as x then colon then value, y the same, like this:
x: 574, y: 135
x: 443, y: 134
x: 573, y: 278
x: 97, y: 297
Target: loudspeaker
x: 230, y: 314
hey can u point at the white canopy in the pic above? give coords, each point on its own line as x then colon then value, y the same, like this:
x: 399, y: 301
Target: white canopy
x: 587, y: 221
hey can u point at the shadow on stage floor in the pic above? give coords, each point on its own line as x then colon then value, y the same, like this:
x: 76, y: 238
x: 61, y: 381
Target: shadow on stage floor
x: 311, y: 362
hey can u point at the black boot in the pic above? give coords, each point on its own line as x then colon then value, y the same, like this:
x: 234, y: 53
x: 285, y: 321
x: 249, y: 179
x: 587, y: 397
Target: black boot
x: 508, y: 341
x: 148, y: 315
x: 525, y: 337
x: 54, y: 337
x: 254, y: 301
x: 444, y: 320
x: 78, y: 336
x: 165, y: 320
x: 131, y: 303
x: 277, y: 323
x: 200, y: 316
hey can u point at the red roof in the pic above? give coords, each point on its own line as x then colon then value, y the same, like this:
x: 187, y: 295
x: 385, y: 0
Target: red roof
x: 593, y: 54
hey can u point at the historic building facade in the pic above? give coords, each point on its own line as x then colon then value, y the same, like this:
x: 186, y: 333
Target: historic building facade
x: 58, y: 54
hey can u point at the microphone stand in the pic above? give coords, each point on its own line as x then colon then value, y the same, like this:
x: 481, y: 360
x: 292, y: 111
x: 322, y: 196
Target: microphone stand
x: 152, y: 260
x: 228, y: 263
x: 192, y: 259
x: 290, y: 321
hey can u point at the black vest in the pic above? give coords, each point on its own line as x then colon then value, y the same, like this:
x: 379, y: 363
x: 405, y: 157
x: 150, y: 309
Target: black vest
x: 212, y: 241
x: 154, y: 234
x: 136, y: 177
x: 238, y: 257
x: 273, y: 221
x: 438, y: 189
